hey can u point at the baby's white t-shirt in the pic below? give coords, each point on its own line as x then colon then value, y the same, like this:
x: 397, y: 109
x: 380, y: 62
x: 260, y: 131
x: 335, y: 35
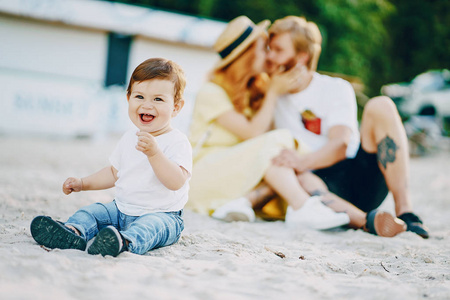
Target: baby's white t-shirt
x: 330, y: 99
x: 138, y: 190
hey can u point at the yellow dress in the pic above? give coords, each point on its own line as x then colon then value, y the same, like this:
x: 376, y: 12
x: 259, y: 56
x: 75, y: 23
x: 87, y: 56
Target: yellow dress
x: 226, y: 167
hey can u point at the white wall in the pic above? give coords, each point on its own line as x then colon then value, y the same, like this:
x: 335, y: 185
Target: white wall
x: 28, y: 45
x: 52, y: 75
x: 50, y: 79
x: 50, y: 105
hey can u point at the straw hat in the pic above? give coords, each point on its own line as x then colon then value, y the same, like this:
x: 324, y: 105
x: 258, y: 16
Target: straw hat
x: 236, y: 38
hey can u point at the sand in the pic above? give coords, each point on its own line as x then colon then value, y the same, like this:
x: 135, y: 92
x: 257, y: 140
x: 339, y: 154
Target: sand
x: 212, y: 260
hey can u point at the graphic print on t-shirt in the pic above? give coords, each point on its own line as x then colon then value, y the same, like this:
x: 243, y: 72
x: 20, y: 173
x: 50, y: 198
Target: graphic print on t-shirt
x: 310, y: 121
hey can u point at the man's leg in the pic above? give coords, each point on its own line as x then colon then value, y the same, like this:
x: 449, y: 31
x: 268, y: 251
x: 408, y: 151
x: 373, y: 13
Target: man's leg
x: 382, y: 132
x: 314, y: 185
x: 376, y: 222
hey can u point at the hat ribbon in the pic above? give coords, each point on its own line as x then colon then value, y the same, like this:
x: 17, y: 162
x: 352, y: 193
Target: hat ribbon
x: 236, y: 43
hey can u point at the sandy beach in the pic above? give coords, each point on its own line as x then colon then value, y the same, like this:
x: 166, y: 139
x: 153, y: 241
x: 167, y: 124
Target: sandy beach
x: 213, y: 260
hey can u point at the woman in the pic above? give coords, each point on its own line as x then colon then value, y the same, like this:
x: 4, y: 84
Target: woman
x: 232, y: 148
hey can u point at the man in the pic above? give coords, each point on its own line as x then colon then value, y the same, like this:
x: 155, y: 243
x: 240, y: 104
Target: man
x: 359, y: 166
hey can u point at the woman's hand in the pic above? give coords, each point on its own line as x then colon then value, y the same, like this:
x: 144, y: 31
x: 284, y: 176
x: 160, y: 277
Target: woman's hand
x: 72, y: 185
x: 290, y: 159
x: 147, y: 144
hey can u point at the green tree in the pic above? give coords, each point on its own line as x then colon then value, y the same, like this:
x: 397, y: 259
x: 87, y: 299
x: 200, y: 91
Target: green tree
x: 356, y: 41
x: 379, y: 41
x: 420, y: 35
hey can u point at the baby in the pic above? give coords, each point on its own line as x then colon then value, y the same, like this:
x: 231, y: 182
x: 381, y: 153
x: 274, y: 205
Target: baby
x: 150, y: 168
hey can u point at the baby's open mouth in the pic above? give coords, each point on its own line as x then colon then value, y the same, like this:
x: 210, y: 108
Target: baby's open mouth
x: 146, y: 117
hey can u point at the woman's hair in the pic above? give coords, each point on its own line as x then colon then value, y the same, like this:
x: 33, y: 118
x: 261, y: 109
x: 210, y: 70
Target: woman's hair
x: 305, y: 36
x: 244, y: 88
x: 160, y: 68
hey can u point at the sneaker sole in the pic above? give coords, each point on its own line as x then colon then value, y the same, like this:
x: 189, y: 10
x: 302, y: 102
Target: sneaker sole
x: 344, y: 220
x: 387, y: 225
x: 51, y: 234
x: 236, y: 217
x: 106, y: 243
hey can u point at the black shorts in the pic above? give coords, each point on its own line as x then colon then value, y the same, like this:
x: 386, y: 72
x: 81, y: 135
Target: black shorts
x: 358, y: 180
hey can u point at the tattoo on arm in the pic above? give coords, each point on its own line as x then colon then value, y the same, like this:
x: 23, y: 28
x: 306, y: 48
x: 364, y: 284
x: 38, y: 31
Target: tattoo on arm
x: 386, y: 151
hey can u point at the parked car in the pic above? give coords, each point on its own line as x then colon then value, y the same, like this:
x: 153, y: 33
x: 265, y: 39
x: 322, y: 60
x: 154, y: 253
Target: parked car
x: 428, y: 94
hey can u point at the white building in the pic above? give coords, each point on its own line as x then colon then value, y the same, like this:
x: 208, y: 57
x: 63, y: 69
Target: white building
x: 60, y: 61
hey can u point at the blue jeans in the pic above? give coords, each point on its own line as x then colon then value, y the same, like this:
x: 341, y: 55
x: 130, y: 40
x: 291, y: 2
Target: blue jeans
x: 144, y: 232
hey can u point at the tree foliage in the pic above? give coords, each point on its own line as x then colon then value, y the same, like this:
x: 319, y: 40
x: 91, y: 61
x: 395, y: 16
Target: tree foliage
x: 379, y: 41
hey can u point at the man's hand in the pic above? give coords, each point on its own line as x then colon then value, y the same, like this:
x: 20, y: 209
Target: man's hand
x: 72, y: 185
x: 296, y: 79
x: 290, y: 159
x: 147, y: 144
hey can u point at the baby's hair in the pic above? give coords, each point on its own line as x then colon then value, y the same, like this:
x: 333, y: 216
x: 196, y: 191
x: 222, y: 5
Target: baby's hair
x: 160, y: 68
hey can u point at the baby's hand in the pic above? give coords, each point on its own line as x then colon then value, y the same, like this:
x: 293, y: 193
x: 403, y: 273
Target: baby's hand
x: 72, y: 185
x: 147, y: 144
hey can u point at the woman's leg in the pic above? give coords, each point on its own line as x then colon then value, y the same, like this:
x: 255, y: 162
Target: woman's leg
x: 89, y: 220
x: 153, y: 230
x: 285, y: 183
x: 303, y: 210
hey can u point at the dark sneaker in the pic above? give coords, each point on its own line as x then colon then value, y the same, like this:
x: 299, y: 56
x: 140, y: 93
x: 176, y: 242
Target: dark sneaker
x: 108, y: 242
x: 383, y: 224
x: 53, y: 234
x: 415, y: 224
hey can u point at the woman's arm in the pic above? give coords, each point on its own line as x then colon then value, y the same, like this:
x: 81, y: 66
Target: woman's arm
x: 261, y: 122
x: 244, y: 128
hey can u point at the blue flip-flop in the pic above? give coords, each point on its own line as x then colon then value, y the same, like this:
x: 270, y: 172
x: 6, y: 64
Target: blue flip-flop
x: 415, y: 224
x: 53, y: 234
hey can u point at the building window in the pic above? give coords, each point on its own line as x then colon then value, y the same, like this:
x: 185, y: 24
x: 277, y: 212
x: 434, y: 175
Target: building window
x: 117, y: 64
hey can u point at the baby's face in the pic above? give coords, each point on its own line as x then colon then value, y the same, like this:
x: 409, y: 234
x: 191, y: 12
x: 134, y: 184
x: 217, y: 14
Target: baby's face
x: 151, y: 105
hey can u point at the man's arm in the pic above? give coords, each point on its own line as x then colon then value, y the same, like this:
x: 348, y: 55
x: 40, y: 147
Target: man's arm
x: 331, y: 153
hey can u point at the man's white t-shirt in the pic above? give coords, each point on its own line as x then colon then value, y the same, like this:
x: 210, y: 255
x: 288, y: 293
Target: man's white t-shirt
x: 330, y: 99
x: 138, y: 190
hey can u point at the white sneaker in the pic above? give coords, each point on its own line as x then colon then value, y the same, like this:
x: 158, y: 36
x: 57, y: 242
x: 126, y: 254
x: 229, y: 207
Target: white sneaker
x: 236, y: 210
x: 316, y: 215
